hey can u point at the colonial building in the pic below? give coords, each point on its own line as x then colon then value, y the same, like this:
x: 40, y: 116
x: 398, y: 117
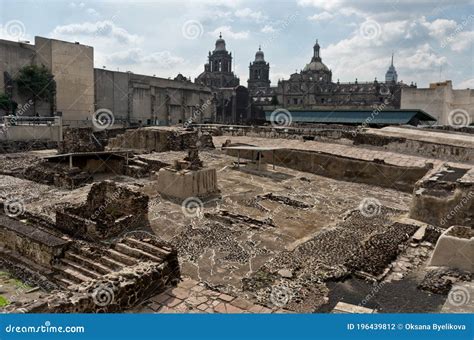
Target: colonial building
x: 230, y: 98
x: 259, y: 74
x: 218, y: 70
x: 314, y: 89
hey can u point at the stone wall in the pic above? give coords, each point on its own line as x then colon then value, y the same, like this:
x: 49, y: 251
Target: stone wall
x: 30, y: 242
x: 422, y: 148
x: 108, y: 211
x: 351, y: 136
x: 344, y: 168
x: 22, y: 146
x: 111, y: 293
x: 86, y: 139
x: 152, y: 139
x: 444, y: 197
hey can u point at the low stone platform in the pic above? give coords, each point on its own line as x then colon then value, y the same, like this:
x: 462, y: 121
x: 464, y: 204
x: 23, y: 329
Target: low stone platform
x: 187, y: 183
x: 191, y: 296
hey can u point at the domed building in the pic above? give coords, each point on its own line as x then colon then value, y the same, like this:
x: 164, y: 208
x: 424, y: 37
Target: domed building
x: 259, y: 72
x: 218, y: 70
x: 313, y: 88
x: 230, y: 99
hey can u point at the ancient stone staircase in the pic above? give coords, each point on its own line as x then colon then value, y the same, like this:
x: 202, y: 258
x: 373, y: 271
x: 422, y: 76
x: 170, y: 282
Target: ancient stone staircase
x: 79, y: 266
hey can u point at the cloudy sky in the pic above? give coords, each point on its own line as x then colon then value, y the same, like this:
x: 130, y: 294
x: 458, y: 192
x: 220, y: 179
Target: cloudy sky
x: 431, y: 40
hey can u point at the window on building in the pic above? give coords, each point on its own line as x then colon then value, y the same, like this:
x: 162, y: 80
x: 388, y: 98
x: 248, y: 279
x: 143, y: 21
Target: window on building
x: 295, y: 101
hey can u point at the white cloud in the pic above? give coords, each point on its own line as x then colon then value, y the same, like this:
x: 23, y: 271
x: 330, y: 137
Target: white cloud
x: 92, y: 12
x: 247, y: 13
x: 466, y: 84
x: 100, y: 29
x: 268, y: 29
x: 321, y: 16
x: 228, y: 33
x: 424, y: 59
x: 135, y: 56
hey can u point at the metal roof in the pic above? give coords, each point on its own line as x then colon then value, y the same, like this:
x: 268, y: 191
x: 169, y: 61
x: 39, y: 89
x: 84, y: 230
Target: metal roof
x: 386, y: 117
x: 251, y: 148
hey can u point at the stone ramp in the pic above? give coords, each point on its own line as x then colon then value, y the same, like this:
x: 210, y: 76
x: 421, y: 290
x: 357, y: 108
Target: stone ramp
x: 79, y: 265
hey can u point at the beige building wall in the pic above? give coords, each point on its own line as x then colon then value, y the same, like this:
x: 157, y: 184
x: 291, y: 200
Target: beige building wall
x: 439, y: 100
x: 72, y: 65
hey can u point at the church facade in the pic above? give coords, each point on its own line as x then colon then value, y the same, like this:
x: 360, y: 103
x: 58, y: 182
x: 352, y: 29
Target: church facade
x: 313, y: 88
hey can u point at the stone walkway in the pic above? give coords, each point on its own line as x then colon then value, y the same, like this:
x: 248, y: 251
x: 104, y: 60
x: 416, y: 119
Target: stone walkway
x: 190, y: 296
x: 338, y: 150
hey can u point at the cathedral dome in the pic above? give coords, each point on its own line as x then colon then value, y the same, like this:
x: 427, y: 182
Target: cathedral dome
x: 316, y: 63
x: 315, y: 66
x: 259, y: 56
x: 220, y: 44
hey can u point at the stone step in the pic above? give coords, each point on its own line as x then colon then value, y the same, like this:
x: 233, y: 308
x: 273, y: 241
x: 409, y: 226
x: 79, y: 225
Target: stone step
x: 147, y: 247
x: 122, y: 258
x: 111, y: 263
x: 137, y: 253
x: 62, y: 281
x: 80, y: 268
x: 72, y: 275
x: 96, y: 266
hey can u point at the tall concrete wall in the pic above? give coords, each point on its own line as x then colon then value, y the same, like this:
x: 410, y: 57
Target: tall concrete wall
x: 438, y: 101
x: 72, y: 66
x: 151, y: 100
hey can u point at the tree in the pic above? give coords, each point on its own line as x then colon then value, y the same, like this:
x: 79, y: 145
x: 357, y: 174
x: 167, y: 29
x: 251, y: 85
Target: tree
x: 36, y: 83
x: 6, y: 104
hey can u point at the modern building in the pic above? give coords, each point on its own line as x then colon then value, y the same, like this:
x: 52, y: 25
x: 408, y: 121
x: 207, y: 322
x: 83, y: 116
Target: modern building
x: 449, y: 106
x: 82, y: 90
x: 70, y: 63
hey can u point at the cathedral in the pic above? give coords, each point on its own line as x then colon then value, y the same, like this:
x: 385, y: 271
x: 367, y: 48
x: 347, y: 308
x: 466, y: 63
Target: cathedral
x: 312, y: 88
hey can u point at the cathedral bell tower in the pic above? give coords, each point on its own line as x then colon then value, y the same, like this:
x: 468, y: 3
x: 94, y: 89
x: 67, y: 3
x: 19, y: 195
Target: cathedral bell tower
x: 259, y: 72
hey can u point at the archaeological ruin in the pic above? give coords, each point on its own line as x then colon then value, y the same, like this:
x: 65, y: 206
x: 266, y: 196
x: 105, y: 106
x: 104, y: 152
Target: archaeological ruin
x: 235, y: 219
